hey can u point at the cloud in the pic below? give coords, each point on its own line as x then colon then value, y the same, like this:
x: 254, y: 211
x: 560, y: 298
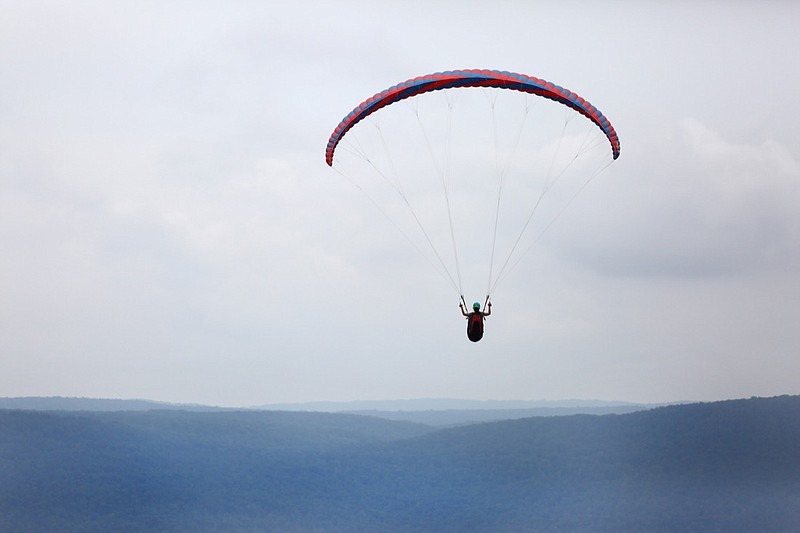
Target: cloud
x: 694, y: 205
x: 170, y: 229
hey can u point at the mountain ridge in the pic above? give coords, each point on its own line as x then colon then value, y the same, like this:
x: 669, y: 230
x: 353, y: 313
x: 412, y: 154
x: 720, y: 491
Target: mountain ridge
x: 728, y: 465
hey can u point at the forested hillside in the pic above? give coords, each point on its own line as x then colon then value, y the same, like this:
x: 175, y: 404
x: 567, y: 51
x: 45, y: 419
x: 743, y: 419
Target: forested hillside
x: 432, y: 412
x: 729, y: 466
x: 57, y: 403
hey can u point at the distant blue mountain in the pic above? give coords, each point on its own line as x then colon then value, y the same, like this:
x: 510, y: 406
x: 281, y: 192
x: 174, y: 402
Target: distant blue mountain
x: 443, y: 404
x: 721, y: 466
x: 451, y: 412
x: 58, y: 403
x: 434, y: 412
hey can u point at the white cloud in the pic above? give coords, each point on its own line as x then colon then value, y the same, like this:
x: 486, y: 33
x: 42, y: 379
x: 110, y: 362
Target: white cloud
x: 697, y: 205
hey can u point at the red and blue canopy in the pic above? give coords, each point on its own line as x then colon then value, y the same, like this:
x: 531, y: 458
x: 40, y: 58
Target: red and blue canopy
x: 471, y: 78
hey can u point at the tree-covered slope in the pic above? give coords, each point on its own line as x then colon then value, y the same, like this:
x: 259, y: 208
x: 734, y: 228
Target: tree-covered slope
x: 729, y: 466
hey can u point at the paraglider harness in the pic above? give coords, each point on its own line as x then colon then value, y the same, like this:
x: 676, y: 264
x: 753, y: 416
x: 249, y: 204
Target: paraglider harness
x: 475, y: 322
x: 475, y: 326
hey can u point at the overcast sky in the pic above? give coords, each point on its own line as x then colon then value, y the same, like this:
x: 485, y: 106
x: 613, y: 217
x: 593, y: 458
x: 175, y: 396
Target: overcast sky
x: 170, y: 230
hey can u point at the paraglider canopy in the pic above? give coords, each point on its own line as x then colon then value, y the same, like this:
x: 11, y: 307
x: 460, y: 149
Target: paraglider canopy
x: 464, y: 216
x: 471, y: 78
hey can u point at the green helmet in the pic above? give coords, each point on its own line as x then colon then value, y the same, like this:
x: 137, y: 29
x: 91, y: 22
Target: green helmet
x: 476, y: 306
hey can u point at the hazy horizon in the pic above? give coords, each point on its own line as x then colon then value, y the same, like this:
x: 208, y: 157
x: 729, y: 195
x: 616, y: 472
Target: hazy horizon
x: 386, y: 404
